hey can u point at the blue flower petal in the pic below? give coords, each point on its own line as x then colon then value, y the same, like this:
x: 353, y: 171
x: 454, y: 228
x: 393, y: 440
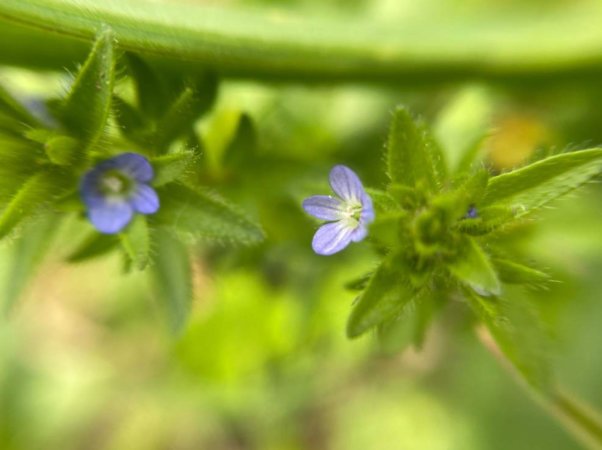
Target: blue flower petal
x: 359, y: 233
x: 332, y: 237
x: 135, y: 165
x: 145, y: 199
x: 346, y: 184
x: 90, y: 193
x: 324, y: 207
x: 111, y: 217
x: 367, y: 214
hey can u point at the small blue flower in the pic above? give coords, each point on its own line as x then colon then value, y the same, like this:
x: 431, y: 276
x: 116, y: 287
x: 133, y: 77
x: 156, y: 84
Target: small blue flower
x: 117, y: 188
x: 348, y: 215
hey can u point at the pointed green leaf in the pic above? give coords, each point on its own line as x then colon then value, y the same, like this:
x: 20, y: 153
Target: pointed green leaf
x: 518, y: 333
x: 95, y: 244
x: 151, y: 91
x: 26, y: 254
x: 535, y: 185
x: 385, y: 296
x: 203, y: 215
x: 463, y: 125
x: 41, y: 189
x: 19, y: 163
x: 130, y: 121
x: 474, y: 268
x: 172, y: 166
x: 194, y: 101
x: 172, y: 279
x: 63, y: 150
x: 85, y: 110
x: 413, y: 157
x: 515, y: 273
x: 242, y: 147
x: 135, y: 240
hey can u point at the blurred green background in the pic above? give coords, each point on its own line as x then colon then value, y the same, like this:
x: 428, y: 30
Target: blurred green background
x: 86, y: 361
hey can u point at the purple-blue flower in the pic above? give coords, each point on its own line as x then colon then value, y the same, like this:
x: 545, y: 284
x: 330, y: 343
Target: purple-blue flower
x: 116, y: 189
x: 348, y: 214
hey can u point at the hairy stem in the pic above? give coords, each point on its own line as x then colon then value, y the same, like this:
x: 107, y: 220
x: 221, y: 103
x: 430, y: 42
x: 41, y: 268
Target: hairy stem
x: 271, y: 44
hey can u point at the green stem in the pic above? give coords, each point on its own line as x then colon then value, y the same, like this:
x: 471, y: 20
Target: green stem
x: 542, y: 46
x: 580, y: 420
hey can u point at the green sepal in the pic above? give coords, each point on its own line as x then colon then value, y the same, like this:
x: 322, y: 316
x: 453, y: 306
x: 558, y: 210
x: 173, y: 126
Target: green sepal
x: 413, y: 157
x: 39, y: 190
x: 462, y: 127
x: 85, y: 110
x: 205, y: 216
x: 172, y: 279
x: 516, y: 328
x: 135, y: 240
x: 26, y: 254
x: 534, y: 186
x: 473, y: 267
x: 386, y: 294
x: 93, y: 245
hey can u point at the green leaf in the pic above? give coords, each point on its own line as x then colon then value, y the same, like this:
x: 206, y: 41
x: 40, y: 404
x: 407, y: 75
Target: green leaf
x: 195, y: 100
x: 86, y: 108
x: 413, y: 158
x: 172, y: 166
x: 172, y: 279
x: 383, y: 201
x: 516, y: 273
x: 516, y: 329
x: 474, y: 268
x: 63, y: 150
x: 462, y: 127
x: 13, y: 109
x: 135, y: 240
x: 243, y: 145
x: 151, y: 92
x: 536, y: 185
x: 95, y: 244
x: 385, y: 296
x: 39, y: 190
x: 19, y: 163
x: 130, y: 121
x: 203, y: 215
x: 26, y: 254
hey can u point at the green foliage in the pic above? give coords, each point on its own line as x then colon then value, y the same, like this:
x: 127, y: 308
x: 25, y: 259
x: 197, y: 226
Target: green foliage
x: 172, y: 279
x: 26, y: 254
x: 206, y: 216
x: 136, y: 242
x: 536, y: 185
x: 93, y: 245
x: 474, y: 268
x: 12, y: 110
x: 85, y: 110
x: 413, y: 157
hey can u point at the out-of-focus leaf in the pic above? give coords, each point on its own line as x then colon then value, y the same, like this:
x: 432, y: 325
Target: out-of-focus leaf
x: 26, y: 254
x: 172, y: 279
x: 243, y: 144
x: 19, y: 163
x: 383, y: 201
x: 536, y: 185
x: 129, y: 120
x: 95, y: 244
x: 13, y: 109
x: 413, y: 157
x: 135, y: 240
x: 463, y: 125
x: 516, y: 273
x: 172, y: 166
x: 196, y: 99
x: 39, y: 190
x: 63, y: 150
x: 474, y: 268
x: 150, y: 88
x: 85, y: 109
x: 518, y: 334
x: 388, y: 291
x: 204, y: 216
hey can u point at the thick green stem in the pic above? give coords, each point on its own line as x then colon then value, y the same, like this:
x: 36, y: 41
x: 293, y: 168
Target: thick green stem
x: 576, y: 417
x: 543, y: 46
